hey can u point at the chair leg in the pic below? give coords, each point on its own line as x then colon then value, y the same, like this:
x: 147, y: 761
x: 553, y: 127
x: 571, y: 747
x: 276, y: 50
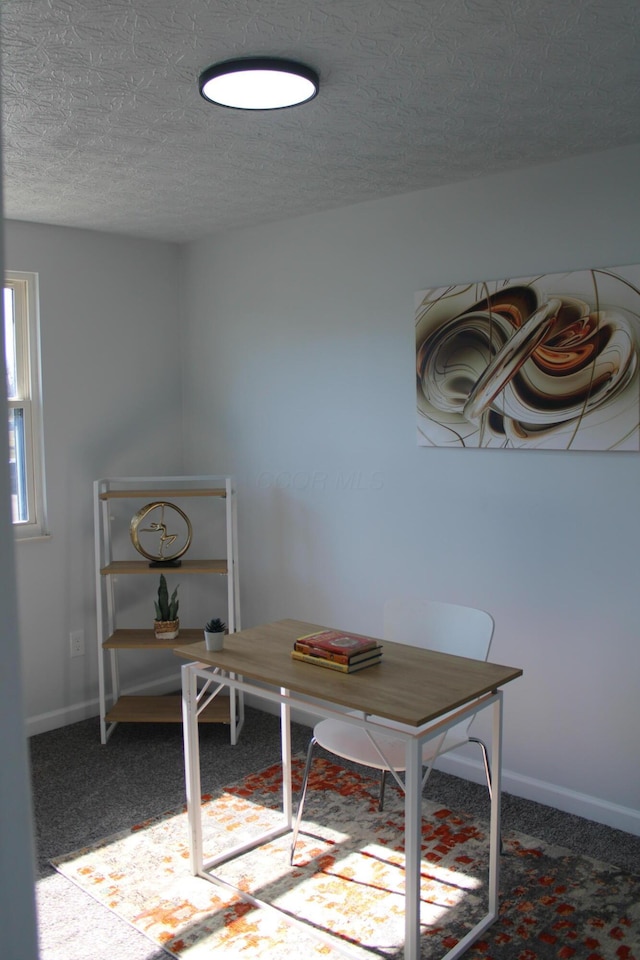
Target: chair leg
x: 485, y: 757
x: 383, y: 781
x: 487, y: 770
x: 303, y: 793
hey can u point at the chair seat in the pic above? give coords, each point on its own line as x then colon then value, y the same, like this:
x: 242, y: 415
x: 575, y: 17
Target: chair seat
x: 444, y: 627
x: 350, y: 742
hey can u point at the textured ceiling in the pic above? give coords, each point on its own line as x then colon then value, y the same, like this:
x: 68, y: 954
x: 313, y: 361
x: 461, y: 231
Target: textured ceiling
x: 103, y: 126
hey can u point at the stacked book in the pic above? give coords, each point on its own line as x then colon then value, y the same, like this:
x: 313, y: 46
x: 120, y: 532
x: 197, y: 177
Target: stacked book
x: 336, y: 650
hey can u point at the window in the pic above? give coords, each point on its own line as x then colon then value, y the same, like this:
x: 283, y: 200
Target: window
x: 22, y: 355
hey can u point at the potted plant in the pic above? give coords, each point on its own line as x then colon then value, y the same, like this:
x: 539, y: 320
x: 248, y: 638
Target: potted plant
x: 214, y: 631
x: 166, y: 625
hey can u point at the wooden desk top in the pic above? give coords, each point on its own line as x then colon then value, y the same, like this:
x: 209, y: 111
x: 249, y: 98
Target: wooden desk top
x: 409, y: 685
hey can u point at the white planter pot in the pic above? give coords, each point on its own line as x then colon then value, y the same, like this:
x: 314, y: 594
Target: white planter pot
x: 213, y: 641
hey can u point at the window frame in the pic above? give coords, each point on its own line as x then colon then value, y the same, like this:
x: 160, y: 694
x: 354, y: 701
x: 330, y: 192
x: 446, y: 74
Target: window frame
x: 29, y: 398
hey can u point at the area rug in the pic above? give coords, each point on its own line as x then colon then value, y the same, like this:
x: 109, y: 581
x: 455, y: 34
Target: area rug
x: 347, y: 883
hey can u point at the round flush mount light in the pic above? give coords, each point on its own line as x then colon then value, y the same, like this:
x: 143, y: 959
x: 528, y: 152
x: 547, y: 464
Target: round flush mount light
x: 258, y: 83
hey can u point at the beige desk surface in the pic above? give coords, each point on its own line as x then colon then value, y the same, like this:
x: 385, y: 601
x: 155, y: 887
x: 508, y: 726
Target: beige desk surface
x: 409, y: 685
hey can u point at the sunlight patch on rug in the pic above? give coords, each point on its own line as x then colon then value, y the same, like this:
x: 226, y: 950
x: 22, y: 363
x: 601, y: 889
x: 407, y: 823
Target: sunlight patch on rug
x: 348, y: 883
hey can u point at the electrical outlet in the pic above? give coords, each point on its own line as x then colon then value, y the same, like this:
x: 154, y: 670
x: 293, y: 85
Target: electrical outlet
x: 76, y: 641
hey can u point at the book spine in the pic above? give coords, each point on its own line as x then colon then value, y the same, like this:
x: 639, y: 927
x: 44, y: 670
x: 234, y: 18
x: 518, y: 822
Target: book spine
x: 320, y: 661
x: 331, y: 665
x: 347, y: 658
x: 311, y: 651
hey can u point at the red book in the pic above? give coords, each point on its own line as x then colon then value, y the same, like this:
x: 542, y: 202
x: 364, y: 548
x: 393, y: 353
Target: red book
x: 336, y: 641
x: 301, y: 646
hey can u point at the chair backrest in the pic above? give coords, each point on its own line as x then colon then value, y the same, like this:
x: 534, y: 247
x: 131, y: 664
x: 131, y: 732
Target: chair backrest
x: 446, y: 627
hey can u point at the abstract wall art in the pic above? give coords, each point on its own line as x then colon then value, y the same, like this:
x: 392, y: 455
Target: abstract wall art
x: 542, y: 362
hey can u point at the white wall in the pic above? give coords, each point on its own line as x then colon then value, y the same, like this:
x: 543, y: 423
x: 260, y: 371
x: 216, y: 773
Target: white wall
x: 300, y: 352
x: 110, y: 336
x: 17, y: 899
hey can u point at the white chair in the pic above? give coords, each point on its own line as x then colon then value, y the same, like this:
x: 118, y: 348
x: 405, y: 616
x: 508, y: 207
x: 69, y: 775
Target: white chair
x: 445, y: 627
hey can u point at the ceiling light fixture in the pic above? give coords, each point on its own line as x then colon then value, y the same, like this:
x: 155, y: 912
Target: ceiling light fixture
x: 258, y: 83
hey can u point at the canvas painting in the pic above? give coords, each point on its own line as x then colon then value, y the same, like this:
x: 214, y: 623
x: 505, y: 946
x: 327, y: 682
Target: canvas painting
x: 543, y: 362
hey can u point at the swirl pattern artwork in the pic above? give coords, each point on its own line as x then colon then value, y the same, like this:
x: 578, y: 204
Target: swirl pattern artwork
x: 544, y: 362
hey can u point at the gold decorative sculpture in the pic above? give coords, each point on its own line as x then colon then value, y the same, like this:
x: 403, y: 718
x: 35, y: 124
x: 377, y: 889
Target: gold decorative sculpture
x: 170, y: 546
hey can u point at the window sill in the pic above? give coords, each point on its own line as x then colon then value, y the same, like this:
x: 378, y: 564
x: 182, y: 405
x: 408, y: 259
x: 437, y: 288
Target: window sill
x: 21, y: 536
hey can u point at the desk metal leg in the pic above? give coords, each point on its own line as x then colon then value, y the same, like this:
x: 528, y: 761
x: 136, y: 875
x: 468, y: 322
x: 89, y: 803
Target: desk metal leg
x: 496, y: 792
x: 192, y: 765
x: 412, y: 818
x: 199, y: 866
x: 494, y: 836
x: 285, y: 738
x: 412, y: 848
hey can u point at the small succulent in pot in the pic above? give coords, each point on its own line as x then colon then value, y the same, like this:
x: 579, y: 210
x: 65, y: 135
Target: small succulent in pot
x: 214, y: 632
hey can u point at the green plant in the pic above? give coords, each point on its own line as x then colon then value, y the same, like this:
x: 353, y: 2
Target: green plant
x: 166, y: 607
x: 215, y: 626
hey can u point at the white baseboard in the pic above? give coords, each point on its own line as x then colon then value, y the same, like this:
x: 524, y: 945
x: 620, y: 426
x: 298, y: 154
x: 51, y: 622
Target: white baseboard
x: 87, y: 709
x: 549, y: 794
x: 44, y: 722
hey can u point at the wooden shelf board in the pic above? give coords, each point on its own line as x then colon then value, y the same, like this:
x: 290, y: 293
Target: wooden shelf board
x: 142, y: 567
x: 166, y: 709
x: 134, y: 639
x: 162, y: 494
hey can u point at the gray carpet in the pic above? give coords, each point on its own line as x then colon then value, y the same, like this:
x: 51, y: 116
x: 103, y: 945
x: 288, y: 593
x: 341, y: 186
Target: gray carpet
x: 84, y: 791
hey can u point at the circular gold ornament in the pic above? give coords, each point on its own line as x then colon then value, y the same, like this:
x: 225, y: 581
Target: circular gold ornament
x: 151, y: 536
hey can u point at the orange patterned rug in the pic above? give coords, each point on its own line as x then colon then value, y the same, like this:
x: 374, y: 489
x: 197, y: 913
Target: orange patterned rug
x: 347, y: 882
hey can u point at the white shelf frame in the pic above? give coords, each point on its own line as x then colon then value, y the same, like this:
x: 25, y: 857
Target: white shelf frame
x: 109, y: 488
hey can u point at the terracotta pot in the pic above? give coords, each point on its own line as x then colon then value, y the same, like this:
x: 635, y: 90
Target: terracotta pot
x: 166, y: 629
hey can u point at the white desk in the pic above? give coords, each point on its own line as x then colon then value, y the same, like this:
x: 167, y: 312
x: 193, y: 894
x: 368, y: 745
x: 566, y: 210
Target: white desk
x: 410, y: 685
